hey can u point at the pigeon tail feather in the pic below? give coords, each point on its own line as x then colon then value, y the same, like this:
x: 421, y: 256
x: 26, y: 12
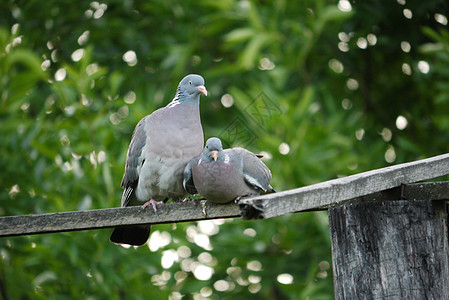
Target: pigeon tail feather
x: 134, y: 235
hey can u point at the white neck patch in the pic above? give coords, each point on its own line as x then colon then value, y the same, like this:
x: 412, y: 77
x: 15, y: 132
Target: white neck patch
x: 174, y: 102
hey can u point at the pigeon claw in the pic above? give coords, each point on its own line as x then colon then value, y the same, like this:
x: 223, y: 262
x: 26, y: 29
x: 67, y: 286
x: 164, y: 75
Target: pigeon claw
x: 153, y: 203
x: 237, y: 199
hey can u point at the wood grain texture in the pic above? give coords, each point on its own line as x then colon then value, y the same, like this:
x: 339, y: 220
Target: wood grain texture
x: 361, y: 187
x: 112, y: 217
x: 390, y: 250
x: 336, y: 191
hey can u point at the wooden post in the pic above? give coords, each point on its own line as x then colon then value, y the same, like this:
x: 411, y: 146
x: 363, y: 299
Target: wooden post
x: 390, y: 250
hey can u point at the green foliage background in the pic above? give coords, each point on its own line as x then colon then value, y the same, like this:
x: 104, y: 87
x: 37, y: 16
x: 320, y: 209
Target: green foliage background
x: 336, y: 76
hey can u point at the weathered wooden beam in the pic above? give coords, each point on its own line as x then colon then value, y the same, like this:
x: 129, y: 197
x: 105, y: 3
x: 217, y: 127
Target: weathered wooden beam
x: 335, y: 191
x: 103, y: 218
x: 178, y: 212
x: 412, y: 191
x: 427, y: 190
x: 313, y: 197
x: 390, y: 250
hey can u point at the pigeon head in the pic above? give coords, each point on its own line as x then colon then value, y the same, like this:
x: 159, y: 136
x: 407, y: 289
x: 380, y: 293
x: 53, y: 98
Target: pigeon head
x: 213, y: 150
x: 192, y: 86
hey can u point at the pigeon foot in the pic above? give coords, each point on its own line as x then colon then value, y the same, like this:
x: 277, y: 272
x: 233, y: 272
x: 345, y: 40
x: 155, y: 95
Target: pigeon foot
x: 153, y: 203
x: 237, y: 199
x: 190, y: 199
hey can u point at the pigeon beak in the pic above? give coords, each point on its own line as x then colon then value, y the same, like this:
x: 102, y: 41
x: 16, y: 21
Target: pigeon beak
x: 202, y: 89
x: 214, y: 154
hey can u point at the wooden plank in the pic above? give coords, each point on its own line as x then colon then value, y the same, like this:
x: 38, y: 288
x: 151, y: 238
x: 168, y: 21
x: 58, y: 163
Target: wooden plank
x: 335, y: 191
x: 176, y: 212
x: 112, y: 217
x: 412, y: 191
x: 390, y: 250
x: 318, y: 196
x: 427, y: 191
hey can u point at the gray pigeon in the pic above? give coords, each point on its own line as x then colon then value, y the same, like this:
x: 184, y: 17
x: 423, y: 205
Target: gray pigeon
x: 161, y: 146
x: 225, y: 175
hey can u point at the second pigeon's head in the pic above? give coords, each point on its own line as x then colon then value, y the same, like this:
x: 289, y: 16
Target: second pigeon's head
x: 213, y: 150
x: 192, y: 85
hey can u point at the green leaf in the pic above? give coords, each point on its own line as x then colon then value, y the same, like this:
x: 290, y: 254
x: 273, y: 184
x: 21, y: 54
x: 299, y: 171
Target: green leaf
x: 239, y: 35
x: 252, y: 51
